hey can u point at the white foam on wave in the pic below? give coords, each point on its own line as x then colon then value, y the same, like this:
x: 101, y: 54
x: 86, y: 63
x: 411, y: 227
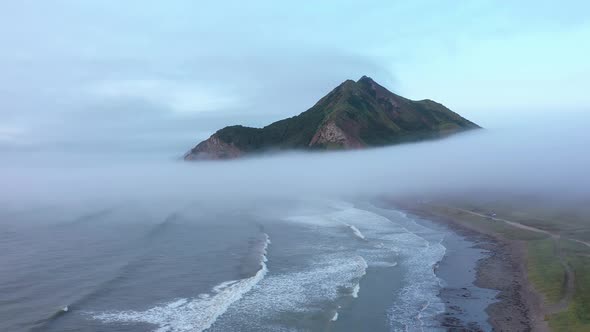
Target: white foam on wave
x: 196, y: 314
x: 383, y: 264
x: 337, y: 268
x: 356, y: 231
x: 327, y: 278
x: 417, y: 247
x: 177, y: 303
x: 355, y: 291
x: 418, y: 301
x: 335, y: 317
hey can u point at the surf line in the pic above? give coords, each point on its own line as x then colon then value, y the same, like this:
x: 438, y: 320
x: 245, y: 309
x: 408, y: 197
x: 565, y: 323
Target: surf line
x: 356, y: 232
x: 195, y: 314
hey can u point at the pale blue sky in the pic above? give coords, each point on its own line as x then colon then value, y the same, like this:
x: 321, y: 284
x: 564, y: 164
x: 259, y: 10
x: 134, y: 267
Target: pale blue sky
x: 164, y: 74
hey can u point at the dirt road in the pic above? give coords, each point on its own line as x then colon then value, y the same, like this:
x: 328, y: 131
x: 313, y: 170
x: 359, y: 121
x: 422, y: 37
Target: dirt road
x: 569, y: 274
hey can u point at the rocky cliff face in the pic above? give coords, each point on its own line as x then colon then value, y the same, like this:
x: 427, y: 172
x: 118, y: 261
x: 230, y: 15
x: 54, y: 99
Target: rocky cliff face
x: 330, y: 134
x: 353, y: 115
x: 213, y: 148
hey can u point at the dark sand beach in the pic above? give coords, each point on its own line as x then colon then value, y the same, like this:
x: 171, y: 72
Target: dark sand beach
x: 516, y: 307
x: 465, y: 300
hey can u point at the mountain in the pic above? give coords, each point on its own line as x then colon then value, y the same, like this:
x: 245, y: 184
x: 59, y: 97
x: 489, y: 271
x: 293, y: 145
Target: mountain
x: 354, y: 115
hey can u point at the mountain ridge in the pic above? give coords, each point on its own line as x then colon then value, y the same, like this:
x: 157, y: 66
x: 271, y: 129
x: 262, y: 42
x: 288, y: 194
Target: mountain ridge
x: 353, y: 115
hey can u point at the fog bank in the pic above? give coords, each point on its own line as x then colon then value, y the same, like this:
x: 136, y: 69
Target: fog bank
x: 537, y: 160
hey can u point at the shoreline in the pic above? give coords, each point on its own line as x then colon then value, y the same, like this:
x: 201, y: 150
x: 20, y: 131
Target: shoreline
x: 517, y: 306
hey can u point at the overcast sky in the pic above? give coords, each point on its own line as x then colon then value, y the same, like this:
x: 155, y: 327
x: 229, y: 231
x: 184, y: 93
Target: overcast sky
x: 161, y: 75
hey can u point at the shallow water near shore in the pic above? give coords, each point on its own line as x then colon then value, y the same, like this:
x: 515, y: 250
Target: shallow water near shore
x: 301, y: 266
x: 465, y: 301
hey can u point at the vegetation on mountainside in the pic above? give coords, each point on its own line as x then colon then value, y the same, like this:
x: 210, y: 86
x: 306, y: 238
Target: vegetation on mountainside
x: 367, y: 113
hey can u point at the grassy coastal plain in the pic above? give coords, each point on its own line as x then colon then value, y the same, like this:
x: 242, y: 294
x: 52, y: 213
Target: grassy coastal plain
x: 549, y: 238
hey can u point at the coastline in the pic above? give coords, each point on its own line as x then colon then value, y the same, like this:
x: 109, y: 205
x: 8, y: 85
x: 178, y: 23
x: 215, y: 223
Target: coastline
x: 517, y: 306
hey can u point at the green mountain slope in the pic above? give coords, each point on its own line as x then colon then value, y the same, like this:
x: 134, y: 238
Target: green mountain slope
x: 353, y: 115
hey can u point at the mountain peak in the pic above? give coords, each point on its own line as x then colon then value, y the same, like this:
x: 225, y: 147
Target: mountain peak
x: 347, y: 83
x: 354, y: 115
x: 366, y: 78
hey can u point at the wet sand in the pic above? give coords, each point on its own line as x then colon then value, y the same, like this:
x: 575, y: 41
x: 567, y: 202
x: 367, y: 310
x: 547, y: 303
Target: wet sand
x: 465, y: 300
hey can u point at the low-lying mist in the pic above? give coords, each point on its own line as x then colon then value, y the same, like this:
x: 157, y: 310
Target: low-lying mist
x: 548, y: 162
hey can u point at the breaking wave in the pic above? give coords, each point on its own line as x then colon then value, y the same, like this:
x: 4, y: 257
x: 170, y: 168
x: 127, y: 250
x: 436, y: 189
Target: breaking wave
x: 356, y: 232
x: 195, y: 314
x: 416, y: 247
x: 300, y: 293
x: 355, y: 290
x: 335, y: 317
x: 418, y: 303
x: 384, y: 264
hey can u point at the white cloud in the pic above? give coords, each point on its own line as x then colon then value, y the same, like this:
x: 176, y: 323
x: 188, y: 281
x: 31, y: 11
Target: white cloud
x: 180, y: 97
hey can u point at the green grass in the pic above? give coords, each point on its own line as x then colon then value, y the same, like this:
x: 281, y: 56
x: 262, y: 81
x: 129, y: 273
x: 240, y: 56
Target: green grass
x: 573, y: 248
x: 545, y: 270
x: 513, y: 233
x: 571, y: 218
x: 498, y: 227
x: 577, y: 317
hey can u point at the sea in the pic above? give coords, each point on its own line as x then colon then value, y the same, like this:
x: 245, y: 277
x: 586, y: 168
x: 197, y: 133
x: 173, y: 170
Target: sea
x: 159, y: 263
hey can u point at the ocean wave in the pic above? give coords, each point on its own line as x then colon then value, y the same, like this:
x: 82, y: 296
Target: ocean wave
x: 355, y: 291
x: 43, y: 324
x: 417, y: 247
x: 89, y: 217
x: 383, y: 264
x: 418, y: 304
x: 301, y: 294
x: 337, y: 268
x: 335, y: 316
x: 356, y: 231
x: 195, y: 314
x: 131, y: 266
